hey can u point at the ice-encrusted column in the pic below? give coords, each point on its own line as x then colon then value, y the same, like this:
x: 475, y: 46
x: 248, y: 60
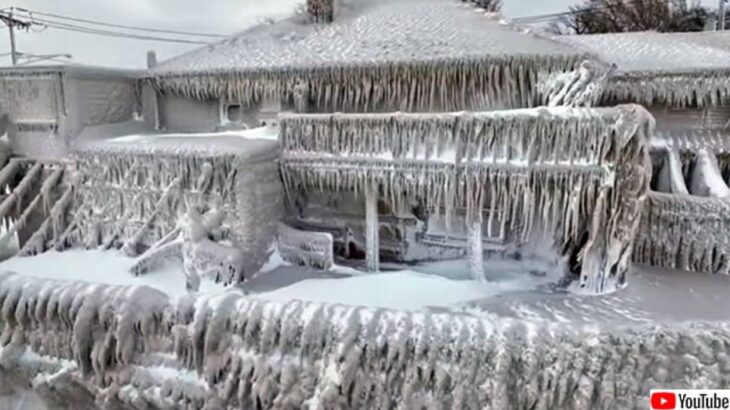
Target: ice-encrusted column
x: 372, y: 237
x: 475, y: 249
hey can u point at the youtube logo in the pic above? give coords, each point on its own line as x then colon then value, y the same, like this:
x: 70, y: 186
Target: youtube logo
x: 663, y: 401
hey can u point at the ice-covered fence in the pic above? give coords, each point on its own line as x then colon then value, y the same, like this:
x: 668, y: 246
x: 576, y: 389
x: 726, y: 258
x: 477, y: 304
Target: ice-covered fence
x: 685, y: 232
x: 132, y: 347
x: 131, y: 194
x: 700, y: 88
x: 580, y: 173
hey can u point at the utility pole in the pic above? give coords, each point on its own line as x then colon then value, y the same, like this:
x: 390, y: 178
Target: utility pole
x: 13, y: 50
x: 721, y: 15
x: 11, y: 22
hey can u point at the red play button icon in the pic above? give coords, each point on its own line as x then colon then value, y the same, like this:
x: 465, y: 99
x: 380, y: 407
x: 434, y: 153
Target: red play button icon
x: 663, y: 401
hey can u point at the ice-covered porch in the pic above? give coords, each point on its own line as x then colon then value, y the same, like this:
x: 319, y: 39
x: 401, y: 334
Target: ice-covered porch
x: 567, y: 173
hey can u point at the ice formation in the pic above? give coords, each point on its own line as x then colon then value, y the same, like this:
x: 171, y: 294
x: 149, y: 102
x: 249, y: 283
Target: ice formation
x: 197, y: 247
x: 587, y: 181
x: 583, y: 87
x: 671, y: 177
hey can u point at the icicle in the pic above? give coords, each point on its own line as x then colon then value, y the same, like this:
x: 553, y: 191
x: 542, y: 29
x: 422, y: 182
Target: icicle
x: 670, y: 177
x: 8, y: 172
x: 706, y: 180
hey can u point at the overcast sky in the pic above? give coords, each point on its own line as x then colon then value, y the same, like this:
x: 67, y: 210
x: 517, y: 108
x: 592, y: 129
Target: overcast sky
x: 210, y: 16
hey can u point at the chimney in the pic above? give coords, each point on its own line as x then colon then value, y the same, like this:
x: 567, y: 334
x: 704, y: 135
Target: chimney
x: 151, y: 59
x: 323, y: 11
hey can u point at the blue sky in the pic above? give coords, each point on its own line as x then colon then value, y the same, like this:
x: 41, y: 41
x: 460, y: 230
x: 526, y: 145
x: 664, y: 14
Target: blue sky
x: 220, y: 16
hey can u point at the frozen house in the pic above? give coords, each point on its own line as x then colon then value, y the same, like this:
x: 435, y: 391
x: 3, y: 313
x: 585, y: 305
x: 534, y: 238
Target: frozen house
x: 684, y: 81
x: 49, y: 106
x: 367, y: 57
x: 373, y: 56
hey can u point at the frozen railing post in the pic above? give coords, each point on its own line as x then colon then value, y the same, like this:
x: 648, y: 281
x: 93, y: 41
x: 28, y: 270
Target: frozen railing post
x: 475, y: 248
x: 372, y: 237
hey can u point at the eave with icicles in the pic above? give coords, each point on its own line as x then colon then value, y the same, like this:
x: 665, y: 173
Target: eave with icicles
x: 375, y: 56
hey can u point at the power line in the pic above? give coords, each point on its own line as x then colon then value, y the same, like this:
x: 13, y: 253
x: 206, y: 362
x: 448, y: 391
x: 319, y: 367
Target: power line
x: 110, y: 33
x: 101, y: 23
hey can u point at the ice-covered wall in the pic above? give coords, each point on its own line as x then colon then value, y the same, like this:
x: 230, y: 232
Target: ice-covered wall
x: 77, y: 344
x: 579, y: 173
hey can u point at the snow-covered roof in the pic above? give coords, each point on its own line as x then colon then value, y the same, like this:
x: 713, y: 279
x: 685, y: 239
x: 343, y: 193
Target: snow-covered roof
x: 259, y: 143
x: 674, y: 68
x: 368, y: 32
x: 658, y: 52
x: 397, y: 37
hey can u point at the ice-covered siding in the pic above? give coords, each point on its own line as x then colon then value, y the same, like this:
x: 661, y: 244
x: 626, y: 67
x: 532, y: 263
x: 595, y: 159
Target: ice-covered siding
x: 568, y: 171
x: 377, y: 56
x: 50, y: 106
x: 97, y: 346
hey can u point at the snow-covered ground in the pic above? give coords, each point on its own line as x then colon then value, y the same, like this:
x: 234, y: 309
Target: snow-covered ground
x: 110, y: 267
x: 512, y: 291
x: 400, y: 289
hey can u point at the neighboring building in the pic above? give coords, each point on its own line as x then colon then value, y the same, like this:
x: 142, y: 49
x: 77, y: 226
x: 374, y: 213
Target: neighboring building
x: 50, y: 106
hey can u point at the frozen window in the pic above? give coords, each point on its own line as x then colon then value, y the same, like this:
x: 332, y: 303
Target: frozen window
x: 234, y: 113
